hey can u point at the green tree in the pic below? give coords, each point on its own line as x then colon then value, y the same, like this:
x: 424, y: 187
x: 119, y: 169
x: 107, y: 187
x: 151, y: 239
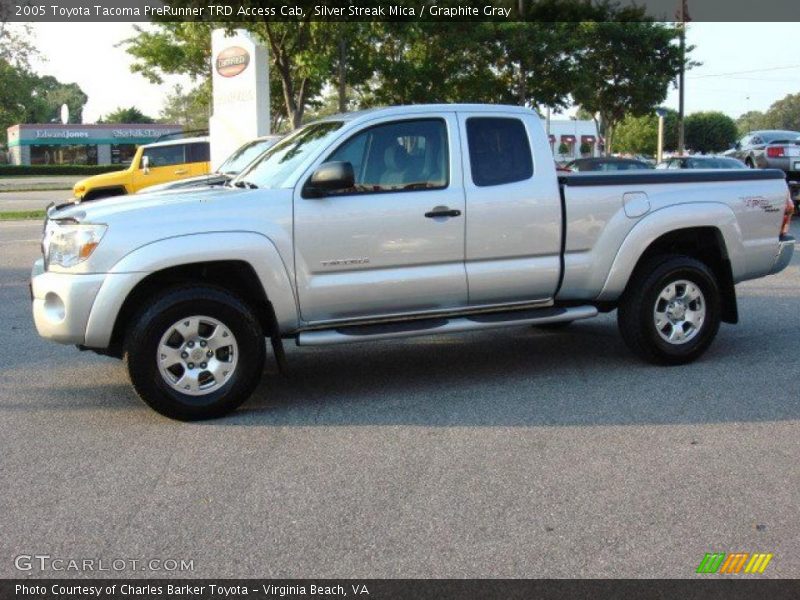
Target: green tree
x: 130, y: 114
x: 751, y: 121
x: 303, y: 57
x: 15, y: 96
x: 784, y: 114
x: 189, y: 109
x: 639, y: 135
x: 625, y: 69
x: 48, y: 94
x: 433, y: 62
x: 16, y: 40
x: 27, y: 98
x: 710, y: 131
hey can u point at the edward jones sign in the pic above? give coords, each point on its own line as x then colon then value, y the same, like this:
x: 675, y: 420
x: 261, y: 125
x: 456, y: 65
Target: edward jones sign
x: 232, y: 61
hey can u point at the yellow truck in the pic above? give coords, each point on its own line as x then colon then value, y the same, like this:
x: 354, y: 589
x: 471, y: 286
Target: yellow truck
x: 159, y: 162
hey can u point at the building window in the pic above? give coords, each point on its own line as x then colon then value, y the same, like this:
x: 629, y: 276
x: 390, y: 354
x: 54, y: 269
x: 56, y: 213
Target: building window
x: 567, y: 146
x: 122, y: 154
x: 76, y: 154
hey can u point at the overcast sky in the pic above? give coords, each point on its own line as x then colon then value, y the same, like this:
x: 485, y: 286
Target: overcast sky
x: 745, y: 66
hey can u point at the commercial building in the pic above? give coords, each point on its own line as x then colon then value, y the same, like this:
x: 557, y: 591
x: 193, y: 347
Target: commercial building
x: 568, y: 138
x: 102, y: 144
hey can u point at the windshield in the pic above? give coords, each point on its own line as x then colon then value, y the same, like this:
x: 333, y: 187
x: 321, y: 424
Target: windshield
x: 244, y: 155
x: 272, y: 168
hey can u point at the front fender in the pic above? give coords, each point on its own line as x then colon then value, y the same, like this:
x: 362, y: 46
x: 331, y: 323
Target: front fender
x: 253, y: 248
x: 666, y: 220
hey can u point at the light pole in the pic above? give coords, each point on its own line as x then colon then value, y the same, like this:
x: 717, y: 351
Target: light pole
x: 683, y: 17
x: 661, y: 112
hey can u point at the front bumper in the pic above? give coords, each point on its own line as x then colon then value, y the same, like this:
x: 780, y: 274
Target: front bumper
x: 784, y: 255
x: 62, y: 303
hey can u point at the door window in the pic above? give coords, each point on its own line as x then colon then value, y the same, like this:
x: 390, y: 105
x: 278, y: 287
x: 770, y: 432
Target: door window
x: 499, y: 151
x: 165, y: 156
x: 399, y: 156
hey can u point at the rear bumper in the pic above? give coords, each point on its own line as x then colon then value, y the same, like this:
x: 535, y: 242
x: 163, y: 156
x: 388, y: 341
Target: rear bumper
x: 784, y: 255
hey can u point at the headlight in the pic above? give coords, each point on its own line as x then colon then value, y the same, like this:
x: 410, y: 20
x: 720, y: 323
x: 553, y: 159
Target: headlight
x: 72, y: 244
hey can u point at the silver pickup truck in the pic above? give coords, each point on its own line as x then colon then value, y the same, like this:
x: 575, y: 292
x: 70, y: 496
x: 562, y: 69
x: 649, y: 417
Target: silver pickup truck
x: 392, y: 223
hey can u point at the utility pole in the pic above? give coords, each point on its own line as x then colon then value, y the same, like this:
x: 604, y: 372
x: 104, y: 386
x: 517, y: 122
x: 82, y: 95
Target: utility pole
x: 683, y: 15
x: 661, y: 113
x: 342, y: 75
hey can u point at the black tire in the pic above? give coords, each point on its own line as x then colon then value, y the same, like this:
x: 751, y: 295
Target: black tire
x: 636, y: 318
x: 141, y: 349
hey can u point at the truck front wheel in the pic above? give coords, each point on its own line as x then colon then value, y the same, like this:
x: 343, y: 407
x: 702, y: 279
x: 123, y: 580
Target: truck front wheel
x: 670, y: 312
x: 195, y: 353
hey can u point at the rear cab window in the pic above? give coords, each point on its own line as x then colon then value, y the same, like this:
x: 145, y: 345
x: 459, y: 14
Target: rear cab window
x: 499, y: 150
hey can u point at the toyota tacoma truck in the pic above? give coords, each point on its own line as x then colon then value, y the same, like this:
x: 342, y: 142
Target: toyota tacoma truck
x: 399, y: 222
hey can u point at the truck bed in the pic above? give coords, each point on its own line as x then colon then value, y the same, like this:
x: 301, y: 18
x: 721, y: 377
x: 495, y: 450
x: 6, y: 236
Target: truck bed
x: 676, y: 176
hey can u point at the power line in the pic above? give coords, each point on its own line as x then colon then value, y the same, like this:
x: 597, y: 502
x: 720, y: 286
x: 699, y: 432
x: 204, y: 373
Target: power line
x: 745, y: 72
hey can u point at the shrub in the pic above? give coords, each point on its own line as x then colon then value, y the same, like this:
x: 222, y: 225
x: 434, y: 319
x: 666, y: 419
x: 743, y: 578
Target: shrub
x: 23, y: 170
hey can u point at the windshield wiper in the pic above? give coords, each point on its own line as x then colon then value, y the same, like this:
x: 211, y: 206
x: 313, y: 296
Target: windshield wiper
x: 245, y: 184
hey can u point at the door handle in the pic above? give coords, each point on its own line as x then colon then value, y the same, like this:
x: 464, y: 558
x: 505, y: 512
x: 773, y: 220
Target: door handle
x: 443, y: 211
x: 181, y: 172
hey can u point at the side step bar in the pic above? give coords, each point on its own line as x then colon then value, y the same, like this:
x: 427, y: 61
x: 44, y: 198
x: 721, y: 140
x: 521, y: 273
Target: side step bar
x: 435, y: 326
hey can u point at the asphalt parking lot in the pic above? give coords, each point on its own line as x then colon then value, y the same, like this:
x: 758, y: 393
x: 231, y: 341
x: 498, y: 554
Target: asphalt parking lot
x: 517, y: 453
x: 31, y: 200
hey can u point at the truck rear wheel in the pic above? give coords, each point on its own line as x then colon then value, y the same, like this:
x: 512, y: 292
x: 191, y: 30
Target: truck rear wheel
x: 195, y: 353
x: 670, y: 313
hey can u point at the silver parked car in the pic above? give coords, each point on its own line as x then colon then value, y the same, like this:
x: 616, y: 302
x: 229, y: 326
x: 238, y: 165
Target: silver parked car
x: 772, y: 149
x: 769, y: 149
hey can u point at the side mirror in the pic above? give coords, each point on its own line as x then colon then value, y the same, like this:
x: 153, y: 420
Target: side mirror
x: 146, y: 164
x: 330, y: 177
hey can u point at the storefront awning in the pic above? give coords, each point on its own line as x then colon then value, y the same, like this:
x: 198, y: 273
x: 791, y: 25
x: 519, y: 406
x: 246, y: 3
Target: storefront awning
x: 552, y: 139
x: 567, y: 138
x: 588, y: 139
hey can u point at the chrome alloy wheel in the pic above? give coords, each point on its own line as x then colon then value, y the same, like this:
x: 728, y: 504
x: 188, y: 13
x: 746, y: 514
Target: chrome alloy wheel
x: 679, y: 312
x: 197, y: 355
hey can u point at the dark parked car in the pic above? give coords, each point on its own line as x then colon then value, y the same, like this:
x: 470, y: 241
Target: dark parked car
x: 606, y: 163
x: 702, y: 162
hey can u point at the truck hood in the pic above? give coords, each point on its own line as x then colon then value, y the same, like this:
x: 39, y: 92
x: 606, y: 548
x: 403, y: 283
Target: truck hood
x: 95, y: 181
x: 125, y: 207
x: 139, y: 220
x: 212, y: 179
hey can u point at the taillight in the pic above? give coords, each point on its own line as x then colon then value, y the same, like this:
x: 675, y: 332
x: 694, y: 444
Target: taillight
x: 775, y: 152
x: 788, y: 211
